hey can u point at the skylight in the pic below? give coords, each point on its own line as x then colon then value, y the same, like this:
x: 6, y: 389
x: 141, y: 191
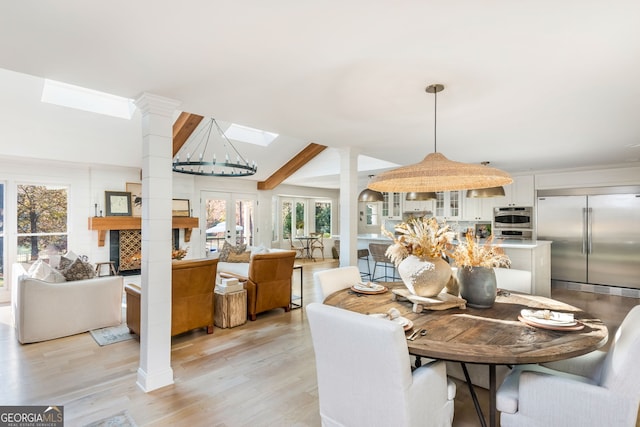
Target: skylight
x: 81, y: 98
x: 250, y: 135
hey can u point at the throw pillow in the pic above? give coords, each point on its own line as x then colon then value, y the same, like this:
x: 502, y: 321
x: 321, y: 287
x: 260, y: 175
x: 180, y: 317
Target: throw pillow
x: 54, y: 260
x: 71, y: 255
x: 79, y: 270
x: 65, y: 262
x: 227, y: 248
x: 42, y: 271
x: 239, y: 257
x: 259, y: 250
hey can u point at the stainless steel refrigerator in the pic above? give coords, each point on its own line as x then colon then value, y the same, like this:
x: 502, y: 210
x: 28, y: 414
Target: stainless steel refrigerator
x: 595, y: 236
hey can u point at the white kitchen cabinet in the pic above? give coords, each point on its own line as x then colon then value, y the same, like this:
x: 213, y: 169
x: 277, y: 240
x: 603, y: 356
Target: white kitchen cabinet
x: 392, y: 206
x: 418, y: 207
x: 448, y: 205
x: 535, y: 258
x: 478, y: 209
x: 520, y: 193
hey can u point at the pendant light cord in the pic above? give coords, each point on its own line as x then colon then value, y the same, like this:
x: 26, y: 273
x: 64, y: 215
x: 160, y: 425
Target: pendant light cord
x: 435, y: 122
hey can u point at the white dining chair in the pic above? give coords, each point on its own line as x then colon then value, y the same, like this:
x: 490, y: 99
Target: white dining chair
x: 364, y: 374
x: 335, y: 279
x: 597, y: 389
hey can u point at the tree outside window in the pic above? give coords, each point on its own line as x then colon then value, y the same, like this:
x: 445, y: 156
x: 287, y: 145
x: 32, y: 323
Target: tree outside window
x: 286, y: 219
x: 42, y: 220
x: 323, y: 218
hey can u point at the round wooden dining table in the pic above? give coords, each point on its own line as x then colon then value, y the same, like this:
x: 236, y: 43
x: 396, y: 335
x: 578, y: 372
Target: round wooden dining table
x: 491, y: 336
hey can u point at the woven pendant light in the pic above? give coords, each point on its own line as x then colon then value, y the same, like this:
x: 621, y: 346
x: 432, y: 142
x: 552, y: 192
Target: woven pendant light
x: 437, y: 173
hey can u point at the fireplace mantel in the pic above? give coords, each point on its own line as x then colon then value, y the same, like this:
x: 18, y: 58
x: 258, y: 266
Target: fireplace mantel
x: 105, y: 223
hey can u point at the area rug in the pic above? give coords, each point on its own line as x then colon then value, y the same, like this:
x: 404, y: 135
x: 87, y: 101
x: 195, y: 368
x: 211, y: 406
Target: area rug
x: 121, y: 419
x: 113, y: 334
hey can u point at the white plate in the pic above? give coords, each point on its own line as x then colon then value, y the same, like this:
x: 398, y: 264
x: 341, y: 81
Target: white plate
x: 556, y: 319
x: 402, y: 321
x: 373, y: 287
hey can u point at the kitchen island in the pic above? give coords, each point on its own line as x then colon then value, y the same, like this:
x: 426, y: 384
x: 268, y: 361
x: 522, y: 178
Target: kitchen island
x: 529, y: 255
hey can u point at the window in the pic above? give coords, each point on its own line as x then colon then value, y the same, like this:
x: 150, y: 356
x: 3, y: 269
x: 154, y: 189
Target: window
x: 300, y: 216
x: 42, y: 221
x: 323, y: 218
x: 373, y: 213
x: 286, y: 219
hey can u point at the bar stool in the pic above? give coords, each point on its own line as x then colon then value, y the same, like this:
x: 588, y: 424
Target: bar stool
x: 364, y: 255
x: 378, y: 253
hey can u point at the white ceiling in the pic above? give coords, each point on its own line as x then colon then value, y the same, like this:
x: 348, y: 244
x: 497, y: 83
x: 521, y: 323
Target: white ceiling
x: 529, y: 85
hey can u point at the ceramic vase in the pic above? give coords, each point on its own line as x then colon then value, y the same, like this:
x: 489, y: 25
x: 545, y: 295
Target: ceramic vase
x: 425, y: 278
x: 477, y: 286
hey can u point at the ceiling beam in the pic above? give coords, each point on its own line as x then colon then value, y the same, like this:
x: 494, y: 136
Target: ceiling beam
x: 300, y: 159
x: 183, y: 128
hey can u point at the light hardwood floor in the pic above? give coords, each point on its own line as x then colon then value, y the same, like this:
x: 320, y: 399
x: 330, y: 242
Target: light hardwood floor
x: 258, y: 374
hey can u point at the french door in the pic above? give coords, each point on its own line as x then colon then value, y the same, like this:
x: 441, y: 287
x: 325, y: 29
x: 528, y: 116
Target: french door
x: 227, y: 217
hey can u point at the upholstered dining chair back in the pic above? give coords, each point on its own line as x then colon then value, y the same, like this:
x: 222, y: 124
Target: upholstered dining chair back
x: 621, y: 370
x: 364, y: 373
x: 335, y: 279
x: 269, y: 282
x: 596, y: 389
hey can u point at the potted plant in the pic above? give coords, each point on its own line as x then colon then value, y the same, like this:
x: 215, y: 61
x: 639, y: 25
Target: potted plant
x: 475, y: 262
x: 417, y: 250
x: 178, y: 253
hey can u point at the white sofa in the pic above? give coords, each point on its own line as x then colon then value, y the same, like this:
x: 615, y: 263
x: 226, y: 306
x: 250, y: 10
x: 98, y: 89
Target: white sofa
x: 44, y: 310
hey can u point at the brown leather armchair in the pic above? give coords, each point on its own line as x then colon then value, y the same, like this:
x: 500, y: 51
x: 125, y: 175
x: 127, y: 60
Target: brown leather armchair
x: 269, y: 283
x: 192, y: 285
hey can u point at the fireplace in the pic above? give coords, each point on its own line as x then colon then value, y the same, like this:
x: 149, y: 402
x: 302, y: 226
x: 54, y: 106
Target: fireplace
x: 125, y: 250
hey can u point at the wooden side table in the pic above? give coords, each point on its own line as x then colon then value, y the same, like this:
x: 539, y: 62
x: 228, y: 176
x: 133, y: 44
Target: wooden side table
x: 230, y: 309
x: 111, y: 271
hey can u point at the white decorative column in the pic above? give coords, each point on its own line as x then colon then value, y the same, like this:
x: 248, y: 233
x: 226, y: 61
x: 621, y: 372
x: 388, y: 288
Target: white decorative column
x: 348, y: 207
x: 155, y: 322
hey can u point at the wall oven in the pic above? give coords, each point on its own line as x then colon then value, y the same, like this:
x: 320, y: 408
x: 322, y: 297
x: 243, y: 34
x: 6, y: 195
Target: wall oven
x: 513, y: 218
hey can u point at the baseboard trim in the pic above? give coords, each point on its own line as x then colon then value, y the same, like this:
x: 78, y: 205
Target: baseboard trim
x: 596, y: 289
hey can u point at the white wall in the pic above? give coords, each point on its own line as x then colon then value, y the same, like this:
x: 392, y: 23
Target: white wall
x: 87, y: 184
x: 596, y: 177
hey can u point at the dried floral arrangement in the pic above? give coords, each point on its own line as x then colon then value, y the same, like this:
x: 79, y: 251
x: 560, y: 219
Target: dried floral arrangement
x: 178, y: 253
x: 422, y: 237
x: 470, y: 253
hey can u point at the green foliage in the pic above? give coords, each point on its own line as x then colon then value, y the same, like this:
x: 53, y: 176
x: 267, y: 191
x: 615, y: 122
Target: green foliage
x: 41, y: 209
x: 323, y: 218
